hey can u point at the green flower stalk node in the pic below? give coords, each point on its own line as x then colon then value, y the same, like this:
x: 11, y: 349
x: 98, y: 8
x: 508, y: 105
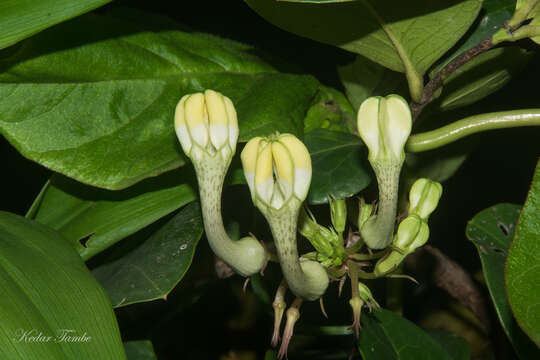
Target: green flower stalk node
x: 207, y: 128
x: 278, y: 173
x: 384, y: 124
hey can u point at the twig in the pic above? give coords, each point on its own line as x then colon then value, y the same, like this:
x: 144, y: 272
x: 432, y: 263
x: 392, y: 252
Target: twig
x: 428, y: 95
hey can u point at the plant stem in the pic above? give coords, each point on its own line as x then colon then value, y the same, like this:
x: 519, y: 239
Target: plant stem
x: 470, y: 125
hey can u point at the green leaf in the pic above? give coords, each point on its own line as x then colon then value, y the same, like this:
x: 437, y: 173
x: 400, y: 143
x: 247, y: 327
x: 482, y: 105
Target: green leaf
x: 388, y: 336
x: 104, y: 217
x: 153, y: 269
x: 482, y: 76
x: 457, y: 347
x: 437, y: 165
x: 337, y: 159
x: 47, y: 288
x: 491, y: 230
x: 330, y: 110
x: 20, y: 19
x: 102, y: 112
x: 363, y: 78
x: 405, y: 36
x: 523, y: 267
x: 139, y: 350
x: 492, y: 17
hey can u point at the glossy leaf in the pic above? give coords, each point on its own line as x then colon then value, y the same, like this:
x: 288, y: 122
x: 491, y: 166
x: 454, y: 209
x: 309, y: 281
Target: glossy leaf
x: 457, y: 347
x: 491, y: 231
x: 20, y: 19
x: 403, y: 36
x: 103, y: 217
x: 47, y: 289
x: 98, y: 105
x: 388, y: 336
x: 338, y: 165
x: 363, y: 78
x: 139, y: 350
x: 492, y: 17
x: 522, y: 267
x: 153, y: 269
x: 330, y: 110
x: 482, y: 76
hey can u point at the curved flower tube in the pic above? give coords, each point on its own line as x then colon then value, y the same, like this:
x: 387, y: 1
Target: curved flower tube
x: 278, y: 172
x: 207, y: 128
x: 384, y: 124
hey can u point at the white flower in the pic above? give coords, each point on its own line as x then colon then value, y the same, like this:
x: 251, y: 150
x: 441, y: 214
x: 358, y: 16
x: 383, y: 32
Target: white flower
x: 384, y: 124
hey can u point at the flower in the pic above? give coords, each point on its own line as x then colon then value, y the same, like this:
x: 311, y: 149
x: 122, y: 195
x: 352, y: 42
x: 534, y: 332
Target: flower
x: 384, y: 124
x: 206, y: 124
x: 277, y: 169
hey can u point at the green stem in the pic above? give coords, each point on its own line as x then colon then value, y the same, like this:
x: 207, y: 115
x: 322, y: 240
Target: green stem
x: 246, y: 256
x: 471, y: 125
x: 307, y: 279
x: 377, y: 231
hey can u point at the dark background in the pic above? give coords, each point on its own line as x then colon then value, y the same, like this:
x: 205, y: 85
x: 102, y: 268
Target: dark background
x: 499, y: 169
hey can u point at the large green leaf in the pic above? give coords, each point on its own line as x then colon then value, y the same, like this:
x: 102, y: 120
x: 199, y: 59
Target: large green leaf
x: 98, y: 105
x: 491, y: 230
x: 482, y: 76
x: 337, y: 159
x: 523, y: 265
x: 46, y: 289
x: 406, y: 36
x: 363, y: 78
x: 388, y: 336
x: 104, y: 217
x: 20, y: 19
x: 139, y: 350
x: 153, y: 269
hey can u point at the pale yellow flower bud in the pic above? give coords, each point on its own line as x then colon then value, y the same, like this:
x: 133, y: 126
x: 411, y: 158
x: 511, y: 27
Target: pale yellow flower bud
x: 206, y: 124
x: 277, y: 169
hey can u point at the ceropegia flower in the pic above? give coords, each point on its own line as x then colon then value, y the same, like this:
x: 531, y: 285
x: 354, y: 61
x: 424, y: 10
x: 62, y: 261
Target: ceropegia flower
x: 278, y: 173
x: 384, y: 124
x: 207, y: 128
x: 277, y: 169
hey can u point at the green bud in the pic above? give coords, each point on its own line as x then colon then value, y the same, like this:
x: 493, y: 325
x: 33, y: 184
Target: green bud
x: 424, y: 197
x: 366, y: 295
x: 338, y: 214
x: 420, y: 239
x: 319, y: 236
x: 389, y: 263
x: 407, y: 231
